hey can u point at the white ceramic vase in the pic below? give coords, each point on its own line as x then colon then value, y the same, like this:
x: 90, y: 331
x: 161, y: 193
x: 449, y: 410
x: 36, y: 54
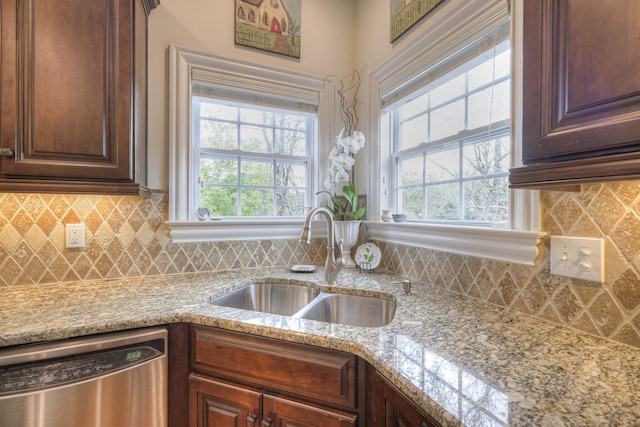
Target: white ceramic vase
x: 348, y: 231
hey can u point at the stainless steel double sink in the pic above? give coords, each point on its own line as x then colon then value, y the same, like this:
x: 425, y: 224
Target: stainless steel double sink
x: 309, y: 303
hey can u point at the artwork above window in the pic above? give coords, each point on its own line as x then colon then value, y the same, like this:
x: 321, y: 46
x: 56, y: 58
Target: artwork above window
x: 270, y: 25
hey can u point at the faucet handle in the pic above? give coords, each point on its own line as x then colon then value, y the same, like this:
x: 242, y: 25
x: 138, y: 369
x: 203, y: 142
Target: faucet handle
x: 341, y: 260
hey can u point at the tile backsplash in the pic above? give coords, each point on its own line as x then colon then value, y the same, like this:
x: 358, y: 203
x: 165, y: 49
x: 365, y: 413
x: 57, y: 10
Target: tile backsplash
x: 126, y: 236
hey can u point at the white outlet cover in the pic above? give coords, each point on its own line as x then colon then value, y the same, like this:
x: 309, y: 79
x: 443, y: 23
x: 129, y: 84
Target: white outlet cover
x: 75, y: 235
x: 578, y: 257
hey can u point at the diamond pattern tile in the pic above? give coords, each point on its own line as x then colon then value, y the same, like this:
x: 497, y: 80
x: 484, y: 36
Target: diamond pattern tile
x: 127, y: 237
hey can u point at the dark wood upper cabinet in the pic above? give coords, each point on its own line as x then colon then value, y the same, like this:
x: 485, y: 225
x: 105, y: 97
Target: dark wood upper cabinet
x: 581, y: 100
x: 73, y: 95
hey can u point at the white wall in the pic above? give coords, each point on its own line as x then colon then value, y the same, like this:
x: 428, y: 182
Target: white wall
x: 328, y: 37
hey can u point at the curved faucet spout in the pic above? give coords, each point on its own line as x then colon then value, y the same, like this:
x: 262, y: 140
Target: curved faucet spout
x: 331, y: 266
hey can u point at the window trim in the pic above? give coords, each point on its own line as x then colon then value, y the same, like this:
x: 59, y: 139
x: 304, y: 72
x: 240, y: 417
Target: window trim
x: 186, y: 66
x: 521, y: 243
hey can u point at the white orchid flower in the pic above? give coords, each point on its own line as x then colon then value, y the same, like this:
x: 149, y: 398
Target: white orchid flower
x: 344, y: 160
x: 342, y: 176
x: 358, y: 138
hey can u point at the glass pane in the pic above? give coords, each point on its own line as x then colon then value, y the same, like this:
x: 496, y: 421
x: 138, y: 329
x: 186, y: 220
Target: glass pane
x: 410, y: 202
x: 291, y: 143
x: 443, y: 165
x: 415, y: 106
x: 290, y: 202
x: 256, y: 116
x: 486, y: 157
x: 257, y: 202
x: 256, y: 139
x: 490, y: 105
x: 447, y: 120
x: 410, y: 171
x: 448, y: 90
x: 219, y: 171
x: 489, y: 70
x: 218, y: 135
x: 291, y: 175
x: 291, y: 121
x: 222, y: 201
x: 487, y: 200
x: 414, y: 132
x: 218, y: 111
x: 256, y: 173
x: 443, y: 202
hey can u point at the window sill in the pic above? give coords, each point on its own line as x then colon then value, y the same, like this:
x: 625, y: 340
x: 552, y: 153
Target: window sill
x: 512, y: 246
x: 237, y: 229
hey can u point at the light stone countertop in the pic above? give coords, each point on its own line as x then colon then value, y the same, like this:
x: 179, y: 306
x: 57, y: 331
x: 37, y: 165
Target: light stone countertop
x: 463, y: 361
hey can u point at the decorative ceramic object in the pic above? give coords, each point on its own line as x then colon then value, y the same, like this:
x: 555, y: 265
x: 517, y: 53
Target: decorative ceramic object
x: 399, y: 217
x: 386, y: 215
x: 368, y: 256
x: 348, y: 231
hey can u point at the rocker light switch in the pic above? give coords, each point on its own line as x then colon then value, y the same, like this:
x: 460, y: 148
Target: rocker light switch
x: 578, y: 257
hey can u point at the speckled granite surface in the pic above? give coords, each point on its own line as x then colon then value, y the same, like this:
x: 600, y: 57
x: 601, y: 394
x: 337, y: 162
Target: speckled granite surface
x: 463, y: 361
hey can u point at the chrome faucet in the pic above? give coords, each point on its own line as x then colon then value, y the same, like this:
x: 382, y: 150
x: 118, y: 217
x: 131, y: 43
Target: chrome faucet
x: 331, y: 266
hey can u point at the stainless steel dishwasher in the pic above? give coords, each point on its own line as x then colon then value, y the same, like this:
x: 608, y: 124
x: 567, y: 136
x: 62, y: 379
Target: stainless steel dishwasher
x: 116, y: 379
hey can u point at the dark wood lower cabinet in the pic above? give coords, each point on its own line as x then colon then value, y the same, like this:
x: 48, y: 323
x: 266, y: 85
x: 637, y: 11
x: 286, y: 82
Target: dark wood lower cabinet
x: 242, y: 380
x: 215, y: 403
x: 221, y: 378
x: 388, y: 407
x: 286, y: 413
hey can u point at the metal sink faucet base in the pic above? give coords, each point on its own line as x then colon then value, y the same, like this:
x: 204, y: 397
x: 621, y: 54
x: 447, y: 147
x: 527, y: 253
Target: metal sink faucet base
x: 331, y: 266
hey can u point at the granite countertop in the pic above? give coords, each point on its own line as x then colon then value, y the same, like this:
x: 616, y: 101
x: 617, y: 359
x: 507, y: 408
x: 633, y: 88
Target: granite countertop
x: 463, y: 361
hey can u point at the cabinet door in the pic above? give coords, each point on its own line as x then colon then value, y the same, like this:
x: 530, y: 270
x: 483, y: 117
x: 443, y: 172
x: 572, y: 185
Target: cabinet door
x: 323, y: 375
x: 279, y: 412
x: 388, y: 407
x: 581, y: 76
x: 581, y: 99
x: 215, y: 403
x: 69, y: 97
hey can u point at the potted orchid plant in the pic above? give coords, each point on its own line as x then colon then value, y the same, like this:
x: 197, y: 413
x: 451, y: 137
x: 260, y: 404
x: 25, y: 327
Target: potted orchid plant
x: 341, y: 158
x: 342, y: 161
x: 347, y: 214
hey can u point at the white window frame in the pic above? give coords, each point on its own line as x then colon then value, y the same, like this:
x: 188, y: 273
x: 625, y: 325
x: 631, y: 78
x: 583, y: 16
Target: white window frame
x: 187, y: 66
x: 455, y: 23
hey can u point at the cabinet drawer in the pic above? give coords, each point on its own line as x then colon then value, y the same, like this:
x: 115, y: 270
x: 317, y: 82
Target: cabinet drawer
x: 325, y: 375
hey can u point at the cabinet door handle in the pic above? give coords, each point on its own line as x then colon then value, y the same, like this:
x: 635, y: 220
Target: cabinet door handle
x: 267, y: 422
x: 251, y: 420
x: 6, y: 152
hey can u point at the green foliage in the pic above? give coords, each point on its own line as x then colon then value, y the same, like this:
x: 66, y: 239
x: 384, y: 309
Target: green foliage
x: 347, y: 211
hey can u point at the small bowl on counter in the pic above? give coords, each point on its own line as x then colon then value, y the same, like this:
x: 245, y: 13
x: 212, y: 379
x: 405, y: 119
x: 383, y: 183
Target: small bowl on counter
x: 399, y: 217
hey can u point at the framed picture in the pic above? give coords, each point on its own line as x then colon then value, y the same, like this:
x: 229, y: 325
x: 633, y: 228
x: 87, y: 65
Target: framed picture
x: 271, y: 25
x: 405, y: 13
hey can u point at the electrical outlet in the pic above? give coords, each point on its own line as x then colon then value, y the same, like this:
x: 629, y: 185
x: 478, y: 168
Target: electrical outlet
x: 75, y: 235
x: 578, y: 257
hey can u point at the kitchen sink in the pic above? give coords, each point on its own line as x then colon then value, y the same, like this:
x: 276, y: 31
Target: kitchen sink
x: 352, y: 310
x: 310, y: 303
x: 274, y: 298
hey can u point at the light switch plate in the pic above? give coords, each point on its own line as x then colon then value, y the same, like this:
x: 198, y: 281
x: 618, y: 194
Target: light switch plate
x: 578, y: 257
x: 75, y: 235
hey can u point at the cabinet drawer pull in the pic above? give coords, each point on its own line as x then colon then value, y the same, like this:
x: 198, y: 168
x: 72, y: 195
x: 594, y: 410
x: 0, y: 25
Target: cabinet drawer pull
x: 267, y: 422
x: 251, y: 420
x: 6, y: 152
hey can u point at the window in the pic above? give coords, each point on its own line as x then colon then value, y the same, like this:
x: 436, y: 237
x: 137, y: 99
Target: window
x: 254, y: 161
x: 443, y: 117
x: 242, y: 142
x: 451, y: 144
